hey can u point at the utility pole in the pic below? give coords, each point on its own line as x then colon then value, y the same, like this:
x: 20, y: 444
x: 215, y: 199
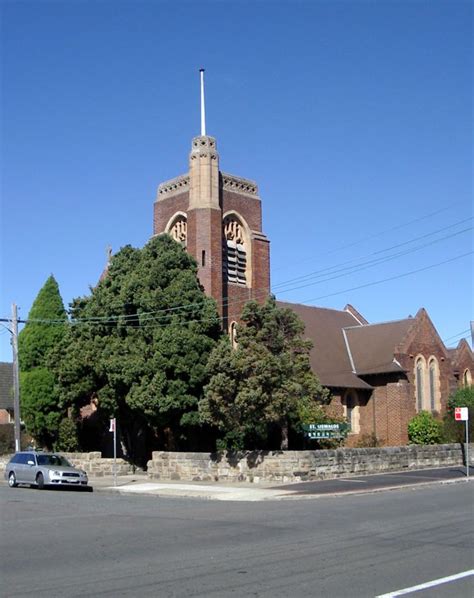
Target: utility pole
x: 16, y: 378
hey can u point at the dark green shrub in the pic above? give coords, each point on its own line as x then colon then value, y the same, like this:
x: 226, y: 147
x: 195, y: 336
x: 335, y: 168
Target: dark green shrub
x: 424, y: 429
x: 68, y: 440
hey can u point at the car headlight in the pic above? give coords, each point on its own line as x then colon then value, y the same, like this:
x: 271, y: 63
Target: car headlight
x: 54, y: 474
x: 84, y: 473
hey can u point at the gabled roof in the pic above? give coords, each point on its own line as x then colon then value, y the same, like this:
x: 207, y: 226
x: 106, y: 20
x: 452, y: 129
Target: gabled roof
x: 372, y: 347
x: 6, y: 385
x: 462, y: 350
x: 329, y: 357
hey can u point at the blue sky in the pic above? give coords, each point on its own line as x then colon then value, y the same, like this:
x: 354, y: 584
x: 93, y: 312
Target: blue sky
x: 354, y: 118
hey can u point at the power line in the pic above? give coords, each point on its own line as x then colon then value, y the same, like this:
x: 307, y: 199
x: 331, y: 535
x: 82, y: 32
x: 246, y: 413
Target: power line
x: 154, y: 320
x: 385, y: 231
x: 309, y: 275
x: 344, y: 271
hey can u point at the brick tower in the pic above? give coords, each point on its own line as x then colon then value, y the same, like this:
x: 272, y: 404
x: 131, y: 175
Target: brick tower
x: 218, y: 218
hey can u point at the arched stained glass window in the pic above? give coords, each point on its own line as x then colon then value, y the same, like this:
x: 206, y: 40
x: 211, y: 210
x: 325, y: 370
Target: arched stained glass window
x: 420, y: 375
x: 466, y: 378
x: 433, y: 371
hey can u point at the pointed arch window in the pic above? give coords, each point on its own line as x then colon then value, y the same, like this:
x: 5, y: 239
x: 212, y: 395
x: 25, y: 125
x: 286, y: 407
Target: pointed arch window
x: 433, y: 374
x: 420, y: 382
x: 234, y: 251
x: 466, y: 378
x: 233, y: 334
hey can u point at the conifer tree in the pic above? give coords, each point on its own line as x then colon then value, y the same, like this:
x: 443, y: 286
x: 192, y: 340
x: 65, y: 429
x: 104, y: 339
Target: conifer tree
x: 139, y: 345
x: 36, y: 343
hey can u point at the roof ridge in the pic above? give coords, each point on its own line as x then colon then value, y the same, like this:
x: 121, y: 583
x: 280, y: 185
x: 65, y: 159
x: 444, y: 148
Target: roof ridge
x: 341, y: 311
x: 381, y: 323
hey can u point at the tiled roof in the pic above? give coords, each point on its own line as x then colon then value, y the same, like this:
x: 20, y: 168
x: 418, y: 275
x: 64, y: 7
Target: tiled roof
x: 372, y: 347
x: 329, y: 357
x: 6, y: 385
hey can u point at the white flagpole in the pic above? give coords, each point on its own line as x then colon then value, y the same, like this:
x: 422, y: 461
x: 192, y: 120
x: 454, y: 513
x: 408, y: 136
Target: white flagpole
x: 203, y: 107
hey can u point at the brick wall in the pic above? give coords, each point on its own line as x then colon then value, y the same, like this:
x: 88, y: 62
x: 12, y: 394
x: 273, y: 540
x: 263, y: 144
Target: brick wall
x: 164, y: 209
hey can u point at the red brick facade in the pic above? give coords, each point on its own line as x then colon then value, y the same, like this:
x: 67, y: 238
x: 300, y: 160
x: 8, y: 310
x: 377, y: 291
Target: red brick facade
x: 380, y: 375
x: 384, y: 412
x: 193, y: 198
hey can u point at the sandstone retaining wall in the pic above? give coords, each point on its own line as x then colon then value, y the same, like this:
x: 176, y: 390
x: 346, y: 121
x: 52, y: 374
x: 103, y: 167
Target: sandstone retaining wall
x: 292, y: 466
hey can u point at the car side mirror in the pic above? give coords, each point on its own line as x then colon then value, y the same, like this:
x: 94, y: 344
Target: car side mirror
x: 30, y: 462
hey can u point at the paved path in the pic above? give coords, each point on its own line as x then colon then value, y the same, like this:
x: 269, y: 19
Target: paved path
x: 140, y: 484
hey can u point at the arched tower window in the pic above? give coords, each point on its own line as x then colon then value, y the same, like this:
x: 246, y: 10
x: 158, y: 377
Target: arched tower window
x: 234, y: 261
x: 434, y: 391
x: 178, y: 228
x: 420, y: 383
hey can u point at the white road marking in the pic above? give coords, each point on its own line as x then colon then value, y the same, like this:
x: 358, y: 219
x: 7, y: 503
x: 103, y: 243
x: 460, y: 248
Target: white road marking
x: 353, y: 481
x: 428, y: 584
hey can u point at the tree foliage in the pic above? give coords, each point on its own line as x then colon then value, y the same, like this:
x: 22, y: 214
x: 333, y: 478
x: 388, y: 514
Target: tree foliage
x: 37, y: 342
x: 68, y: 440
x: 455, y: 431
x: 265, y: 382
x: 40, y: 336
x: 39, y: 406
x: 140, y: 342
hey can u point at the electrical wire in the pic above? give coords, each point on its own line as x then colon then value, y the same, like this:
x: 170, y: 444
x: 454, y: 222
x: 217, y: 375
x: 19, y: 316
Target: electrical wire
x: 155, y: 319
x: 344, y: 271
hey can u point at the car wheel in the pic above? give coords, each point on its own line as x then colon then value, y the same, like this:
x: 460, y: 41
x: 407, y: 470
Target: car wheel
x: 12, y: 480
x: 40, y: 481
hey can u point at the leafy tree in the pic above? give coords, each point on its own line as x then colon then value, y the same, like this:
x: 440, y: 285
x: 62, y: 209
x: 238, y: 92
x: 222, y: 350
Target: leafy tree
x: 139, y: 344
x: 424, y: 429
x: 265, y: 382
x: 455, y: 431
x: 36, y: 343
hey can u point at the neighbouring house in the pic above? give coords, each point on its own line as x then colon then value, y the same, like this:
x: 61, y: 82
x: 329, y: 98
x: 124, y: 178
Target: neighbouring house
x: 6, y: 392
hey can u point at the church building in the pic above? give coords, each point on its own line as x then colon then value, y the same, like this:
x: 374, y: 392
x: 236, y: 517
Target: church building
x: 218, y: 218
x: 380, y: 375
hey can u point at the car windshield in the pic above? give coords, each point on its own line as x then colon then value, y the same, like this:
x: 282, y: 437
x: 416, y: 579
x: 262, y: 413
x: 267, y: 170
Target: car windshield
x: 52, y: 460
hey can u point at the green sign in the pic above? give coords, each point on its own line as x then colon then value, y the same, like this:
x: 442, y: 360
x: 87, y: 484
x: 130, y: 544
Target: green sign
x: 327, y: 430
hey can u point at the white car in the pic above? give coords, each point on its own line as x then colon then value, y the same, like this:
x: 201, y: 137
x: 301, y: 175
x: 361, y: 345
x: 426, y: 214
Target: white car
x: 40, y: 469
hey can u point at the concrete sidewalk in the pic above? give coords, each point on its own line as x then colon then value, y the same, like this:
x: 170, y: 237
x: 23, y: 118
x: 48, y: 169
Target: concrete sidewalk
x: 139, y: 483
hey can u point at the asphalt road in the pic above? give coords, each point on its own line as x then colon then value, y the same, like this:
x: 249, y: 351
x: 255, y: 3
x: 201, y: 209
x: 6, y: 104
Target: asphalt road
x: 369, y: 483
x: 106, y: 544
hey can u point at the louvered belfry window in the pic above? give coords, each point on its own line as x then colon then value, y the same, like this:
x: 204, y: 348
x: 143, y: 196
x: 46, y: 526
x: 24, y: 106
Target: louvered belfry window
x: 235, y: 255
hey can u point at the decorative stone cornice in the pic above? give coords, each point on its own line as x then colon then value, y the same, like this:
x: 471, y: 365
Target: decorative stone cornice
x: 173, y: 187
x: 238, y: 184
